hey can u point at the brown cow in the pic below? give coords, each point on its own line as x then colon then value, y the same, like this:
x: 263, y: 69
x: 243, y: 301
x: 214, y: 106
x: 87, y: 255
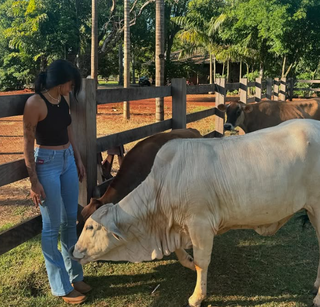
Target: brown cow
x: 268, y: 113
x: 135, y: 167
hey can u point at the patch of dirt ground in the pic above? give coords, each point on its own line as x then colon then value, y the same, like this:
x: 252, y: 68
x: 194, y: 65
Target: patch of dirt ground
x: 15, y: 205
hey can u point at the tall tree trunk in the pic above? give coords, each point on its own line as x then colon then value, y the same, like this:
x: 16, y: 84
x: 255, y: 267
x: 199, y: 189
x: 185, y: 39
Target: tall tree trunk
x: 228, y: 70
x: 126, y: 104
x: 77, y: 60
x: 261, y: 70
x: 240, y: 71
x: 223, y: 69
x: 120, y: 53
x: 159, y: 57
x: 214, y: 69
x: 247, y: 65
x: 210, y: 68
x: 133, y: 69
x: 94, y: 42
x: 169, y: 44
x: 283, y: 66
x: 289, y: 68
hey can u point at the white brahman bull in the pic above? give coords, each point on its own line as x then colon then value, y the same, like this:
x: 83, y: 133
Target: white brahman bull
x: 199, y: 188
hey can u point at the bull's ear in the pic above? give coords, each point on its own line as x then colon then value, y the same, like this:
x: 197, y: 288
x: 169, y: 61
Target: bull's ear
x: 116, y: 236
x: 248, y: 108
x: 222, y: 107
x: 115, y: 232
x: 101, y: 212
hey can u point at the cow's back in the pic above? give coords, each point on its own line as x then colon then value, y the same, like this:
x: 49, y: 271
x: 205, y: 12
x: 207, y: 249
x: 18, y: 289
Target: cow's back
x: 139, y: 160
x: 265, y: 174
x: 270, y: 113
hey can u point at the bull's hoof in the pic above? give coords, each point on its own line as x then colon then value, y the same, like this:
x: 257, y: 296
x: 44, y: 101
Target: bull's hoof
x: 316, y: 302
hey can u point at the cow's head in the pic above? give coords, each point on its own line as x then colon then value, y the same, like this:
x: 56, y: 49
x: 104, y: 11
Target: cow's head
x: 92, y: 207
x: 99, y: 236
x: 235, y: 114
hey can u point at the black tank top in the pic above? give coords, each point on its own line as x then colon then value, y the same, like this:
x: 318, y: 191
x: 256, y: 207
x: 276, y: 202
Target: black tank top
x: 52, y: 131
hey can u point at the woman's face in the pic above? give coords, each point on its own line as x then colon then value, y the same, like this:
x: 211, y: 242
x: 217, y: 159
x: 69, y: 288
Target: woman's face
x: 66, y: 88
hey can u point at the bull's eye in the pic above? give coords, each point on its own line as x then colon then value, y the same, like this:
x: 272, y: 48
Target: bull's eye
x: 89, y: 227
x: 238, y: 112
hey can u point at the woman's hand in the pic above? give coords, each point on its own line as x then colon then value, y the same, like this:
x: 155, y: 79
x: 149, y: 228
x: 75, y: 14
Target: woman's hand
x: 81, y: 169
x: 37, y: 194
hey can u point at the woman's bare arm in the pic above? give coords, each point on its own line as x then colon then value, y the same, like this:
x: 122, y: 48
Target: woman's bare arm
x: 30, y: 120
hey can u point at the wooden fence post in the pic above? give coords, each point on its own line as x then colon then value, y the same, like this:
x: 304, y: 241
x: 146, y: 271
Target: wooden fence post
x: 220, y: 99
x: 179, y: 105
x: 258, y: 93
x: 269, y: 88
x: 276, y: 89
x: 291, y: 88
x: 283, y: 89
x: 243, y: 90
x: 83, y: 114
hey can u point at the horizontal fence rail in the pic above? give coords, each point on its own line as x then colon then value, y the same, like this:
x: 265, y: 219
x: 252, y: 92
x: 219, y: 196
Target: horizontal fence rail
x: 291, y: 86
x: 134, y: 93
x: 12, y: 105
x: 308, y: 81
x: 12, y: 171
x: 117, y: 139
x: 306, y: 89
x: 20, y: 234
x: 192, y: 117
x: 201, y: 89
x: 232, y: 86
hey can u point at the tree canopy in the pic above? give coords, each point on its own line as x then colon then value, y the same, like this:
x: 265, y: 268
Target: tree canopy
x: 274, y: 38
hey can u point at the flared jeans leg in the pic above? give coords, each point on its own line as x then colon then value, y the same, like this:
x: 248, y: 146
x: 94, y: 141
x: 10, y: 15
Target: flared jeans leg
x: 57, y: 173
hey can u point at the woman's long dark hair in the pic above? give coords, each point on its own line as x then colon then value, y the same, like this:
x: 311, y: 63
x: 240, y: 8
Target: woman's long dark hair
x: 57, y: 73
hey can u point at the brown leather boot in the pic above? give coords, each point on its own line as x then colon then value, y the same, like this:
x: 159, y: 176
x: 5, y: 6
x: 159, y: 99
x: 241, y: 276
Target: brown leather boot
x: 74, y: 297
x: 82, y: 287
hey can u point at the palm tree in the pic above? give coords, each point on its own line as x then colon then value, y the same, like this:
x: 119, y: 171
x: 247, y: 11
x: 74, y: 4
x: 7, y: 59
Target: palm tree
x: 94, y: 42
x: 200, y: 34
x: 159, y: 57
x: 126, y: 104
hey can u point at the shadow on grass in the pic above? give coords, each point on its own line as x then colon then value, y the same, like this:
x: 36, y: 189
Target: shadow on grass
x: 246, y: 270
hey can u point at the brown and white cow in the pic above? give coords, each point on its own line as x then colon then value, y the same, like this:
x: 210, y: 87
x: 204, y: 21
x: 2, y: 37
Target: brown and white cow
x: 268, y: 113
x: 135, y: 167
x: 186, y: 201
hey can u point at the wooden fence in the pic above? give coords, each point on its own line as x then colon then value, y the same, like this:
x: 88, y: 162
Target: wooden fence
x: 84, y: 126
x: 292, y: 82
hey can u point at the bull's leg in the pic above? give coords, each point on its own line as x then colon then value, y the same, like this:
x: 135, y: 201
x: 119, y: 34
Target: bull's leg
x: 315, y: 221
x: 185, y: 259
x: 202, y: 241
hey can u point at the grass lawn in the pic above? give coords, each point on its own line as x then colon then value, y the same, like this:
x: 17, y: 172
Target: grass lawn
x: 246, y: 270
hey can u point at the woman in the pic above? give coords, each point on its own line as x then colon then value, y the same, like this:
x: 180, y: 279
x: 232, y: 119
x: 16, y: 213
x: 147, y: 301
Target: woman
x: 55, y: 167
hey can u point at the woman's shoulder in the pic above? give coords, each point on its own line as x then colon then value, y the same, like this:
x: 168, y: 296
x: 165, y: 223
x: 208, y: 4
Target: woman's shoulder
x: 34, y: 105
x: 34, y: 100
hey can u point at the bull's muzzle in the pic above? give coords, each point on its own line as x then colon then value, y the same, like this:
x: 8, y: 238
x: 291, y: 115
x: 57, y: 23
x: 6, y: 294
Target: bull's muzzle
x: 228, y: 127
x: 75, y: 254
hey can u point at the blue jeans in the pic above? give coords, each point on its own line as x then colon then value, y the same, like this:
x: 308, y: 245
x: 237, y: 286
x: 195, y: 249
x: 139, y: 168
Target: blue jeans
x: 57, y: 172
